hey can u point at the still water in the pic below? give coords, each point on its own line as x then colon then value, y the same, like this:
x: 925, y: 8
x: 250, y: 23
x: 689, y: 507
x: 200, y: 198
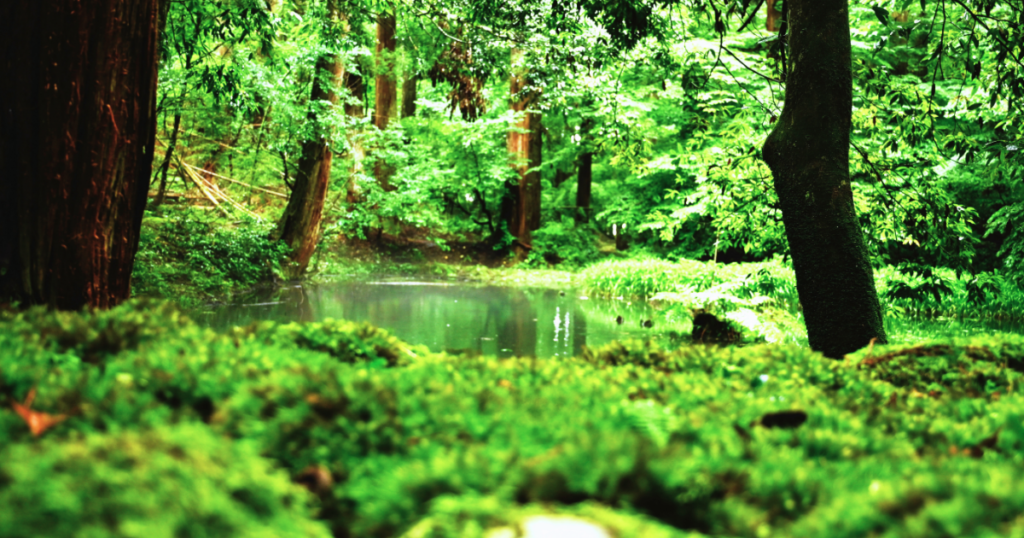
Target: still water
x: 448, y: 316
x: 506, y: 321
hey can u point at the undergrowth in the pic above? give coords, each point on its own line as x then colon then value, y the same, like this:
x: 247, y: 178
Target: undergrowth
x: 391, y: 440
x: 190, y: 256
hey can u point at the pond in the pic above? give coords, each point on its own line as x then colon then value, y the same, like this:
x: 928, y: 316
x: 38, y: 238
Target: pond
x: 451, y: 316
x: 506, y: 321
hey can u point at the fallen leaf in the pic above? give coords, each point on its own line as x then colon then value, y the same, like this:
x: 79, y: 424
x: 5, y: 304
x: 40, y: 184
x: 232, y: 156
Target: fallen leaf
x: 38, y: 422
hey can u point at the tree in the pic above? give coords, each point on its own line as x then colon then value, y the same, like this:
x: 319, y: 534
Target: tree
x: 386, y: 92
x: 524, y: 144
x: 299, y: 226
x: 76, y: 147
x: 808, y: 153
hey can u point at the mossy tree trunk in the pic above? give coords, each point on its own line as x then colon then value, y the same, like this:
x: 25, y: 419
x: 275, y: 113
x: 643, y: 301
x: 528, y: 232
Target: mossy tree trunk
x: 386, y: 94
x: 299, y: 227
x: 808, y: 153
x: 76, y: 147
x: 524, y: 144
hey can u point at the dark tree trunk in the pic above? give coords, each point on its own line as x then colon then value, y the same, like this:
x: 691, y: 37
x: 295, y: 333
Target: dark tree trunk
x: 162, y: 190
x: 808, y: 153
x: 524, y: 144
x: 299, y: 227
x: 76, y: 147
x: 584, y: 178
x: 409, y: 96
x: 387, y: 88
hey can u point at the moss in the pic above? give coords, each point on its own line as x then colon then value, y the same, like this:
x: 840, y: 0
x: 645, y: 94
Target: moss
x: 181, y: 481
x: 742, y: 441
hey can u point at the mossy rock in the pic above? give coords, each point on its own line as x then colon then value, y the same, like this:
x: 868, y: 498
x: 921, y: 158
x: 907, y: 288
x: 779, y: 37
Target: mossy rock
x: 181, y: 481
x: 346, y: 341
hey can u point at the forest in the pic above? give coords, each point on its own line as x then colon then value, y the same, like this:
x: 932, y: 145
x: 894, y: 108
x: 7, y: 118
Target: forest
x: 535, y: 268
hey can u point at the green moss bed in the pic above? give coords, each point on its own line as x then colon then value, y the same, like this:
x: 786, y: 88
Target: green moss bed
x: 336, y: 428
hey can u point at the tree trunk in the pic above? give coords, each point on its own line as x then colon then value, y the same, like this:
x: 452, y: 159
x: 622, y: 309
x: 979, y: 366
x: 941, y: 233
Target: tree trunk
x: 409, y: 95
x: 76, y: 147
x: 161, y: 192
x: 584, y: 178
x: 387, y: 88
x: 808, y: 153
x: 524, y: 144
x: 299, y: 227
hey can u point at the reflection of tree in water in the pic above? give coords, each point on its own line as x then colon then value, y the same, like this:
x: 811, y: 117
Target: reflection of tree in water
x: 298, y: 302
x: 579, y: 331
x: 517, y: 325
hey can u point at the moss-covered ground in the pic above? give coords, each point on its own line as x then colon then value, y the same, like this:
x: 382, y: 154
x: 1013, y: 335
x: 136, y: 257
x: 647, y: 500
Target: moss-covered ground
x: 150, y: 425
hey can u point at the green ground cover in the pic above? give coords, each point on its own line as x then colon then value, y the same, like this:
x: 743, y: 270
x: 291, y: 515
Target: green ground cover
x: 175, y: 430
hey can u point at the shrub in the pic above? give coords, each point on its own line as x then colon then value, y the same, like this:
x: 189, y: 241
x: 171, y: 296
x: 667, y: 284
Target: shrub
x: 184, y: 254
x: 563, y: 242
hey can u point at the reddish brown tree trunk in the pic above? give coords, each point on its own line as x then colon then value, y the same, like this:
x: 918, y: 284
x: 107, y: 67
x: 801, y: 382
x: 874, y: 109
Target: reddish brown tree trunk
x: 387, y: 88
x: 809, y: 155
x: 76, y: 147
x: 299, y: 227
x: 524, y: 144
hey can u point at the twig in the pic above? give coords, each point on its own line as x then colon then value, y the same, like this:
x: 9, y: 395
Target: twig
x: 225, y: 178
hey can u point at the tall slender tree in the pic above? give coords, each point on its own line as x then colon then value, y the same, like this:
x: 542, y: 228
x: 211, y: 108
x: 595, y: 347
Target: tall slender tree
x: 386, y: 92
x: 76, y: 147
x: 524, y: 144
x: 299, y: 226
x: 808, y: 153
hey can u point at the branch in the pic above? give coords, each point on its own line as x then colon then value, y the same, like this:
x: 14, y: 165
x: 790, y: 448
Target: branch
x: 751, y: 69
x: 976, y: 17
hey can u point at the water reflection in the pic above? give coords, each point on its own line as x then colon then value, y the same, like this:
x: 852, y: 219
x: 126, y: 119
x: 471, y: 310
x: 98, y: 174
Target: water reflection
x: 484, y: 319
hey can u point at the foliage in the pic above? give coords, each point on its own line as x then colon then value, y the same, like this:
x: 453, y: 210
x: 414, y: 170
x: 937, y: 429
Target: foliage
x: 186, y: 250
x: 671, y: 103
x: 563, y: 242
x: 905, y: 440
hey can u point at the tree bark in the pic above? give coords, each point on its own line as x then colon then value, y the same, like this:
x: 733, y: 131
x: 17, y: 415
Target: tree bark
x: 299, y: 227
x: 584, y: 179
x: 524, y: 144
x: 808, y: 153
x: 76, y: 147
x: 386, y: 94
x: 409, y: 95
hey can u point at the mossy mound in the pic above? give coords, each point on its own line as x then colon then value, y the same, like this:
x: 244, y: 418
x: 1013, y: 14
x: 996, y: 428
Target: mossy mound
x: 181, y: 482
x: 741, y: 441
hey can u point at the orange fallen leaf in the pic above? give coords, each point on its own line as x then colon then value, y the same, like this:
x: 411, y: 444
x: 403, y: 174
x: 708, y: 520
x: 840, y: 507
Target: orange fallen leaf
x: 38, y: 422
